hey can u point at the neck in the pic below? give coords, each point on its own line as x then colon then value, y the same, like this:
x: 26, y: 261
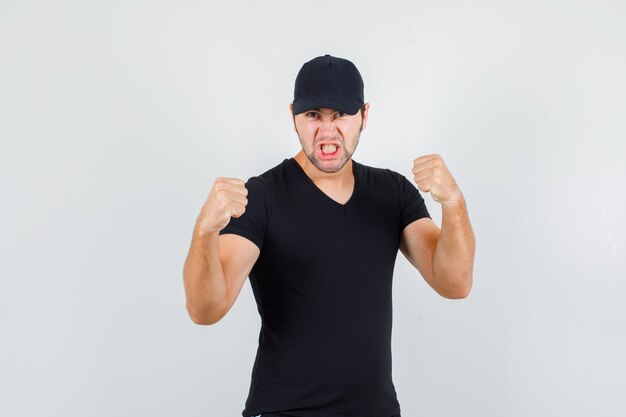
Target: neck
x: 343, y: 177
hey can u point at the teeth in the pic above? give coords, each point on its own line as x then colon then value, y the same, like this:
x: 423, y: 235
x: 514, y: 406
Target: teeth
x: 329, y: 148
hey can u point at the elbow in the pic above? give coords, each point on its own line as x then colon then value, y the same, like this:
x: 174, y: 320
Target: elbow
x: 458, y: 294
x: 461, y: 289
x: 204, y: 321
x: 203, y: 318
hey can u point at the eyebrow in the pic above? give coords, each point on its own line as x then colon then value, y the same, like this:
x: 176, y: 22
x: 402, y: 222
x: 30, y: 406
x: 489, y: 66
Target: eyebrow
x: 319, y: 109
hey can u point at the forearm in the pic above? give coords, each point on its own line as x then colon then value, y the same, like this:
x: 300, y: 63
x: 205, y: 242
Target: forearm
x: 453, y: 259
x: 205, y: 283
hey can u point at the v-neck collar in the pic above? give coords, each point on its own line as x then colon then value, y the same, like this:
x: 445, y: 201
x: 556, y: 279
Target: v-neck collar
x: 310, y: 181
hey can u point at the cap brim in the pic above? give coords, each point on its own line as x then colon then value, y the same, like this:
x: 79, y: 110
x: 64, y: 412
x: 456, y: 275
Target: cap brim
x: 344, y: 104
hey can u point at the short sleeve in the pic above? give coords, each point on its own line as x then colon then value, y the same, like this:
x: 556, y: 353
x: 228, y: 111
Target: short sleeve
x: 252, y: 224
x: 413, y: 205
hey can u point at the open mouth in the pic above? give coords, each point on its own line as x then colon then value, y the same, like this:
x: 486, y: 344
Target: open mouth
x: 327, y: 151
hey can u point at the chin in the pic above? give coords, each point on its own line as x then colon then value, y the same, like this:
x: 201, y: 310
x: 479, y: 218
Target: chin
x: 329, y: 166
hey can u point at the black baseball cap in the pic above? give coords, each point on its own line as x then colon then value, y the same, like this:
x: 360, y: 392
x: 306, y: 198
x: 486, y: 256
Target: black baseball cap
x: 328, y: 81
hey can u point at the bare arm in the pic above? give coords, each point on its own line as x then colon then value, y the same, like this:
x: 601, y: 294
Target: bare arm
x: 453, y: 260
x: 444, y: 257
x: 217, y: 265
x: 206, y: 288
x: 215, y: 270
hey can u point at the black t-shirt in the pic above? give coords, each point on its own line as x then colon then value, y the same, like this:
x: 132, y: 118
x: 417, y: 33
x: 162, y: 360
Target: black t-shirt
x: 323, y: 288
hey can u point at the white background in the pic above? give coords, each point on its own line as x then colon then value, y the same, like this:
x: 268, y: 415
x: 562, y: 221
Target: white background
x: 116, y: 117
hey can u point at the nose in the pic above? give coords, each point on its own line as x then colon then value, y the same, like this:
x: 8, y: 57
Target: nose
x: 328, y: 127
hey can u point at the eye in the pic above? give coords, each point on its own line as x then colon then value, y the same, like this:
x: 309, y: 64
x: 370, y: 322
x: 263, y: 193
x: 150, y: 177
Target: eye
x: 313, y: 113
x: 340, y: 113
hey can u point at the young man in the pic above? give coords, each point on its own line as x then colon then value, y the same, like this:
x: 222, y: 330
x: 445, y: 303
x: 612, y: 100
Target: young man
x: 318, y: 235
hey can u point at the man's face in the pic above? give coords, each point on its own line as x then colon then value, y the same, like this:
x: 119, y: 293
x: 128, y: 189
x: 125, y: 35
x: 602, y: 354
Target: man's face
x: 325, y: 126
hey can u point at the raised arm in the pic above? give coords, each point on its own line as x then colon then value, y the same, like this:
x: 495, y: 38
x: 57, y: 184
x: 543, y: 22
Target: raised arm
x: 216, y: 266
x: 444, y: 257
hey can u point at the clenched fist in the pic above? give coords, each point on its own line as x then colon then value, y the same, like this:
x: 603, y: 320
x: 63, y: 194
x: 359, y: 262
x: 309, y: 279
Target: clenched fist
x: 432, y: 175
x: 227, y: 199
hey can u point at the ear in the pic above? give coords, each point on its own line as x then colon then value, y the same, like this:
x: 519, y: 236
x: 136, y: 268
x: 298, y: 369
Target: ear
x: 293, y: 118
x: 367, y: 107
